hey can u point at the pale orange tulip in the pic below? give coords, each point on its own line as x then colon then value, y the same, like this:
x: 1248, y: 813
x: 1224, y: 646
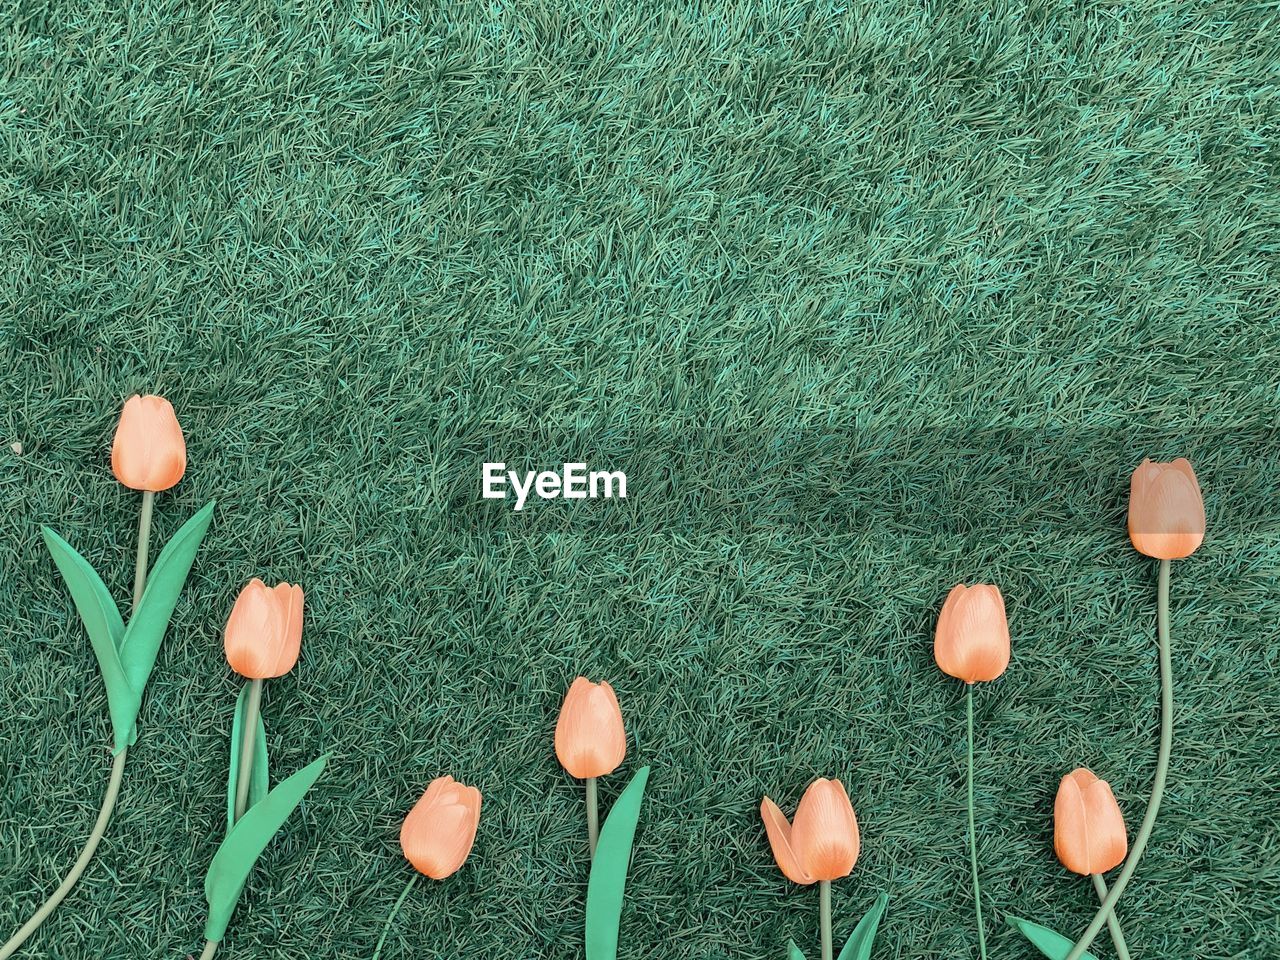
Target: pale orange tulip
x: 1088, y: 827
x: 590, y: 738
x: 439, y: 831
x: 972, y: 639
x: 148, y: 452
x: 823, y: 842
x: 1166, y: 510
x: 264, y: 632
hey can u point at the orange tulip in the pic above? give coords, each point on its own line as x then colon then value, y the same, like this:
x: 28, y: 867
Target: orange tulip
x: 823, y: 842
x: 438, y: 832
x: 590, y: 738
x: 972, y: 640
x: 148, y: 452
x: 264, y: 631
x: 1166, y: 510
x: 1088, y: 827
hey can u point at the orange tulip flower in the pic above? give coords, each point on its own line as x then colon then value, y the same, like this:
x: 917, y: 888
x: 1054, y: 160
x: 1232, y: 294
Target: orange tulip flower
x: 149, y: 452
x: 823, y: 842
x: 590, y: 738
x: 1088, y: 827
x: 264, y: 632
x: 1166, y: 510
x: 440, y: 829
x: 972, y: 639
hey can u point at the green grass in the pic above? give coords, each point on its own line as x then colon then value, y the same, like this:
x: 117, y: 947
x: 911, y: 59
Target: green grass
x: 866, y: 300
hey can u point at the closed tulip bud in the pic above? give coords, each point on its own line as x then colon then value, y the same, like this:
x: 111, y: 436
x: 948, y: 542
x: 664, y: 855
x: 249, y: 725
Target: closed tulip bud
x: 148, y: 452
x: 590, y: 738
x: 823, y: 842
x: 439, y: 831
x: 972, y: 639
x: 1166, y: 510
x: 1088, y: 827
x: 264, y: 631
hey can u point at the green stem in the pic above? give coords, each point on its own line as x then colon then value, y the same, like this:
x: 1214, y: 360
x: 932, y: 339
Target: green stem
x: 210, y: 948
x: 117, y: 767
x: 824, y: 916
x: 1162, y: 771
x: 1113, y: 922
x: 250, y: 729
x: 413, y: 878
x: 593, y: 816
x: 86, y: 854
x: 973, y: 833
x: 144, y: 544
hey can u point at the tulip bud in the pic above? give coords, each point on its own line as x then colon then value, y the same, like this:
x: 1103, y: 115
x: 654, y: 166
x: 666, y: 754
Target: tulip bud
x: 972, y: 639
x: 1166, y: 510
x: 148, y: 452
x: 823, y: 843
x: 264, y: 632
x: 590, y: 738
x: 439, y: 831
x: 1088, y: 828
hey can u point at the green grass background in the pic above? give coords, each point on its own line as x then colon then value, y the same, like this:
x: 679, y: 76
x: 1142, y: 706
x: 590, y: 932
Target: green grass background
x: 866, y: 299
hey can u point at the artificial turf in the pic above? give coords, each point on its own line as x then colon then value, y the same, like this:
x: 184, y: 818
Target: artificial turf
x: 866, y: 299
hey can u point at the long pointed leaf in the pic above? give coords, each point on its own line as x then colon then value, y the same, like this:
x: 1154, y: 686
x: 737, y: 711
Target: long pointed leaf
x: 608, y: 878
x: 259, y: 782
x: 148, y: 623
x: 858, y: 946
x: 106, y: 630
x: 793, y: 952
x: 1053, y: 945
x: 244, y: 844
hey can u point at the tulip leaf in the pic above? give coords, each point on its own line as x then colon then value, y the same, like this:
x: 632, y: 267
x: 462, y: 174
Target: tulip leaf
x: 1053, y: 945
x: 259, y: 783
x: 793, y: 952
x: 147, y: 624
x: 106, y: 631
x: 608, y: 878
x: 245, y: 842
x: 858, y: 946
x: 127, y: 654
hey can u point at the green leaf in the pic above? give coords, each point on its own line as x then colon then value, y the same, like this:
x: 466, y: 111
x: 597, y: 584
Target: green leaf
x: 148, y: 623
x: 793, y: 952
x: 1053, y: 945
x: 259, y: 783
x: 858, y: 946
x: 106, y: 631
x: 608, y: 877
x: 127, y: 654
x: 244, y: 844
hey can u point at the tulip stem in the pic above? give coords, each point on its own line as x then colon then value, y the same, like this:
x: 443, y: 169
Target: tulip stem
x: 973, y: 833
x: 824, y: 917
x: 1113, y: 922
x: 248, y: 734
x: 1162, y: 771
x: 86, y: 854
x: 144, y: 545
x: 593, y: 816
x: 117, y: 766
x: 210, y: 948
x: 413, y: 878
